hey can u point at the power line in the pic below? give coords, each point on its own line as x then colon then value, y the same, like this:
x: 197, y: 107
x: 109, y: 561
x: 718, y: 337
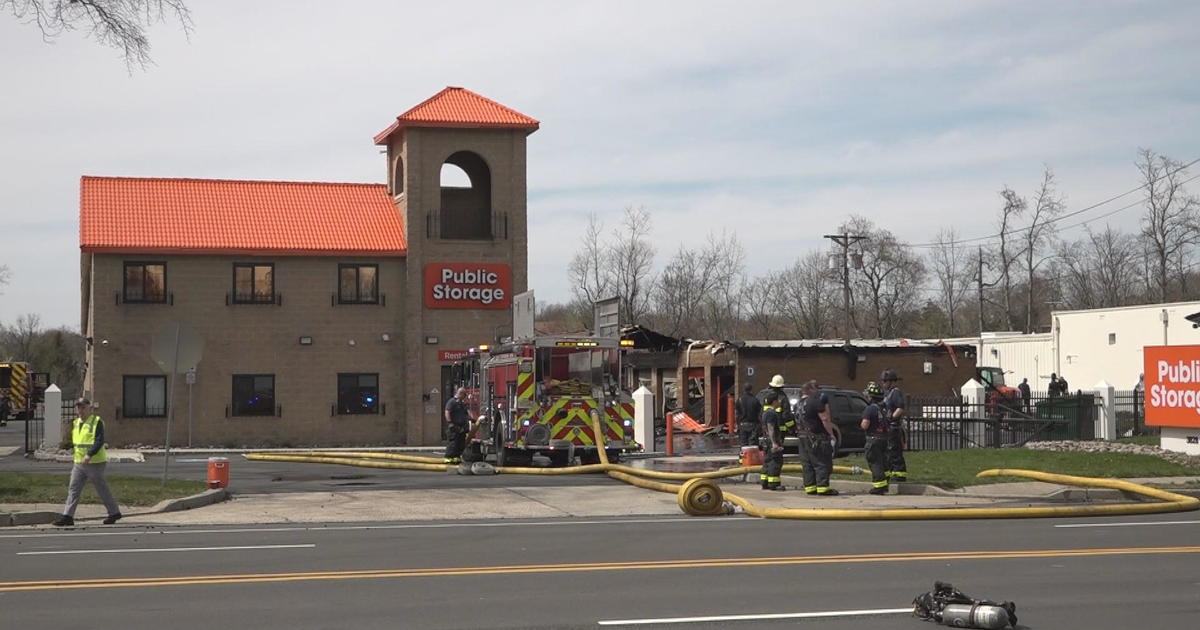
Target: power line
x: 1065, y: 216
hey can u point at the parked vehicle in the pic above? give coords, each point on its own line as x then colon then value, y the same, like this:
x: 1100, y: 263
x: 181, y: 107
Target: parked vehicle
x: 846, y: 407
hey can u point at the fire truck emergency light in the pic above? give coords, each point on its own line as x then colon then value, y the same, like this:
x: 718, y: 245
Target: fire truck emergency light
x: 576, y: 344
x: 626, y: 343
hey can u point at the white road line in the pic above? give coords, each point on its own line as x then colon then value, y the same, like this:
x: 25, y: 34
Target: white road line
x: 317, y: 528
x: 241, y: 547
x: 808, y: 615
x: 1149, y: 523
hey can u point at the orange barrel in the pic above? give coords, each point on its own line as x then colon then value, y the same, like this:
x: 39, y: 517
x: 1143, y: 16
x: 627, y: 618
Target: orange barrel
x: 752, y: 456
x: 218, y: 472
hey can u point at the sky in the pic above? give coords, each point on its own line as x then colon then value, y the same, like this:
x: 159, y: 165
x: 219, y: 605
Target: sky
x: 775, y: 121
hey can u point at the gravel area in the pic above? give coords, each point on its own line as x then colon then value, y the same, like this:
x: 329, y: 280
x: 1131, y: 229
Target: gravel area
x: 1117, y: 447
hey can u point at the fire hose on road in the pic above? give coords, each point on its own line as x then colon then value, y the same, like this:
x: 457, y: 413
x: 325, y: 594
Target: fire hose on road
x: 700, y: 495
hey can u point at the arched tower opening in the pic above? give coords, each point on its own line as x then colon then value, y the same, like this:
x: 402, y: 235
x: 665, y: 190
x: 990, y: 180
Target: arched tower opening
x: 466, y: 210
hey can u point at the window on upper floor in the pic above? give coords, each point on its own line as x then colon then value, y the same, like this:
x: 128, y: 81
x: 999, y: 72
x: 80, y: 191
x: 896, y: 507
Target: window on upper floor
x: 253, y: 394
x: 358, y: 284
x: 253, y: 283
x: 144, y: 396
x: 145, y: 282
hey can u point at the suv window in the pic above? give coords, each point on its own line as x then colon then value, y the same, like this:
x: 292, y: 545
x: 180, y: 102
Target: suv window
x: 839, y: 404
x: 857, y: 405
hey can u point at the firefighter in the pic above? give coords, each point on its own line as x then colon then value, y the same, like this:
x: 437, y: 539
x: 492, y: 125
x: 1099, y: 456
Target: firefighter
x: 893, y: 407
x: 458, y: 424
x: 875, y: 427
x: 747, y: 409
x: 787, y: 425
x: 816, y: 441
x: 772, y: 438
x: 5, y: 409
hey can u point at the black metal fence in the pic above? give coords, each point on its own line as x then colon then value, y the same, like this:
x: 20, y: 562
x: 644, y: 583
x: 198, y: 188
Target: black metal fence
x: 1131, y: 413
x: 949, y: 423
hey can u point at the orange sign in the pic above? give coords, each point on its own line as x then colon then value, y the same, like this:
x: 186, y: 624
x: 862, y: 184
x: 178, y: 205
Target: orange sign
x: 468, y: 285
x: 1172, y: 384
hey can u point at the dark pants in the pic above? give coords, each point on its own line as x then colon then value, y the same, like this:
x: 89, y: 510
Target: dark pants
x: 772, y: 468
x: 896, y: 468
x: 456, y: 441
x: 876, y: 454
x: 748, y: 433
x: 816, y: 453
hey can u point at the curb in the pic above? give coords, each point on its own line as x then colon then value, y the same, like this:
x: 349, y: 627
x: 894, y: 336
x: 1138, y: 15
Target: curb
x: 208, y: 497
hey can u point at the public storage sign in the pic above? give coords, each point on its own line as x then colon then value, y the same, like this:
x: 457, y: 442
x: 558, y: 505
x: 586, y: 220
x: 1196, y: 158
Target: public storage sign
x: 1172, y: 385
x: 468, y: 285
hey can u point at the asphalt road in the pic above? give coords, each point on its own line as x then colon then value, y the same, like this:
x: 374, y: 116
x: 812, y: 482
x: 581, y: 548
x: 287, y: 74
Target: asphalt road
x: 580, y: 574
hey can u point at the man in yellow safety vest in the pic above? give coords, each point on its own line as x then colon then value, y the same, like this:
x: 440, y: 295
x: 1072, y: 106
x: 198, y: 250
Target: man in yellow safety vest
x: 91, y: 458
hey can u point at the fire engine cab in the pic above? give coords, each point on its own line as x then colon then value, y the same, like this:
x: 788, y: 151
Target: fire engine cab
x: 538, y: 393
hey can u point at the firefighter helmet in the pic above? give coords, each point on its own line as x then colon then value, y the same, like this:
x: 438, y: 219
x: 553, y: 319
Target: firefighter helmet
x: 874, y: 391
x: 889, y: 375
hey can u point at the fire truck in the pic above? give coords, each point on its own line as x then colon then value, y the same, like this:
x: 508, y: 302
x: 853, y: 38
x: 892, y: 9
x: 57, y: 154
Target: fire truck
x: 20, y: 390
x: 537, y: 395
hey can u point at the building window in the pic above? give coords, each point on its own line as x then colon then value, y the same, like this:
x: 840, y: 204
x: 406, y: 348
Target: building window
x: 144, y: 397
x: 145, y: 282
x: 358, y: 284
x: 1112, y: 339
x: 253, y: 394
x: 253, y: 283
x: 358, y: 393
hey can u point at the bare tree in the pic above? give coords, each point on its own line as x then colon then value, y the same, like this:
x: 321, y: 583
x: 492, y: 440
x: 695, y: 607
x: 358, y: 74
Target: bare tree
x: 119, y: 24
x: 17, y: 341
x: 889, y: 280
x: 1169, y: 225
x: 5, y: 274
x: 698, y: 291
x: 631, y: 264
x: 952, y: 268
x: 1099, y: 270
x: 1047, y: 207
x: 761, y: 304
x: 588, y: 271
x: 811, y: 298
x: 1005, y: 253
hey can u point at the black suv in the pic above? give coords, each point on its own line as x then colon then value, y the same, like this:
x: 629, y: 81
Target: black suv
x: 846, y: 406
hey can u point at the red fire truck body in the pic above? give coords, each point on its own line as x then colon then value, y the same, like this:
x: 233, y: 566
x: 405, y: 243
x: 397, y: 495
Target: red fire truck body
x: 538, y: 396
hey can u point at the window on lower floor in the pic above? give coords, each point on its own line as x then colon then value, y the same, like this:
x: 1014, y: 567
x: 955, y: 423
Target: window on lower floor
x: 144, y: 397
x: 358, y: 284
x: 253, y: 283
x: 358, y: 393
x: 253, y: 394
x: 145, y: 282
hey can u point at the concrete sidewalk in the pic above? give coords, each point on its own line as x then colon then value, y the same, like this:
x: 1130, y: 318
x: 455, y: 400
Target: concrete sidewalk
x: 217, y: 508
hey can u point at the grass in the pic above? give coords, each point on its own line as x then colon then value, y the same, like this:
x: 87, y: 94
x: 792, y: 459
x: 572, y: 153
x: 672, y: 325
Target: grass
x: 1144, y: 440
x: 956, y: 469
x: 52, y: 488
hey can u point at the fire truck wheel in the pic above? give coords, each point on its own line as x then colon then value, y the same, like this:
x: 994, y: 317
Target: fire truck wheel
x: 501, y: 459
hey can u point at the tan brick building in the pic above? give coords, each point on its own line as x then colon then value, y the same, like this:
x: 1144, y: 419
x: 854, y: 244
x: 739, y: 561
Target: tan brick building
x: 329, y: 312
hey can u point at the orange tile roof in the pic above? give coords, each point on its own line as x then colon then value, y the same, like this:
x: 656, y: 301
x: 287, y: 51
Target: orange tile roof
x: 178, y: 216
x: 459, y: 107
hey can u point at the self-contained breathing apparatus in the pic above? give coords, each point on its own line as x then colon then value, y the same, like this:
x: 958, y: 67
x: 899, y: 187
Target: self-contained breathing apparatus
x: 949, y: 606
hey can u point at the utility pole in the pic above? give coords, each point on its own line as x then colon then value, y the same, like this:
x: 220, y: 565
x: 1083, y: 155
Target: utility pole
x: 845, y: 240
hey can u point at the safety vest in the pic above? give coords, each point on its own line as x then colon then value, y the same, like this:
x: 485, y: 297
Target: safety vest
x: 83, y: 436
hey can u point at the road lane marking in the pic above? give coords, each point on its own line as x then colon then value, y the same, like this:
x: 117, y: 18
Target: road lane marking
x: 164, y: 549
x: 765, y: 616
x: 1146, y: 523
x: 40, y: 585
x: 345, y: 528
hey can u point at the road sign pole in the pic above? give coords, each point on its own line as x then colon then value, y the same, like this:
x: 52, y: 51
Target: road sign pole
x: 170, y: 406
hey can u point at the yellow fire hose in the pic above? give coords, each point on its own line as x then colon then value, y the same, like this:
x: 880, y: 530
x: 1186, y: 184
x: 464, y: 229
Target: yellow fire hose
x: 699, y: 495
